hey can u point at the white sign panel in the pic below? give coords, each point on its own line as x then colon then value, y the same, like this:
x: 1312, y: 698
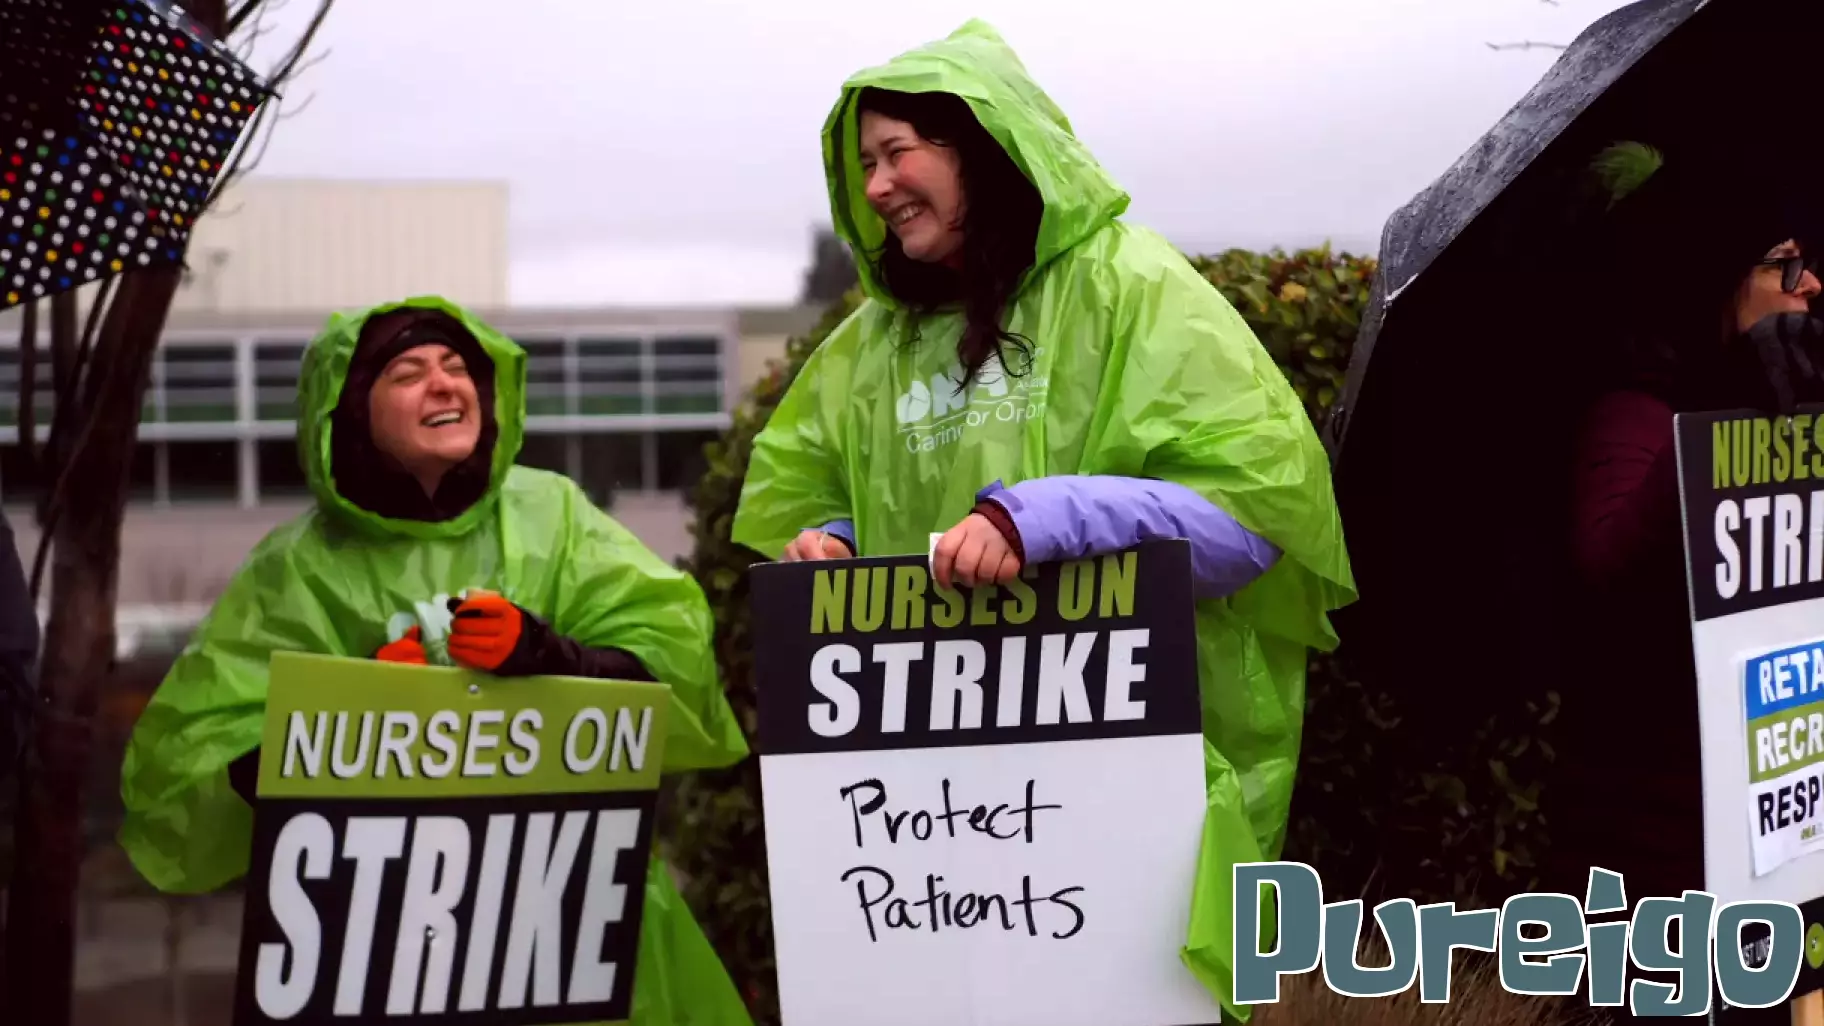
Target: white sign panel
x: 982, y: 807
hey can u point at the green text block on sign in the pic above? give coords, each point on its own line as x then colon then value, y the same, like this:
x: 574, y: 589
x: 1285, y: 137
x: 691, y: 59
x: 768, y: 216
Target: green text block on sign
x: 356, y: 728
x: 441, y: 847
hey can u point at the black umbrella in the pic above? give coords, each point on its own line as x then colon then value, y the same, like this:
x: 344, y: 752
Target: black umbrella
x: 115, y: 121
x: 1484, y: 328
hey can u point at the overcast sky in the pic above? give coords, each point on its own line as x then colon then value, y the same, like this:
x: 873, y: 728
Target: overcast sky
x: 669, y: 153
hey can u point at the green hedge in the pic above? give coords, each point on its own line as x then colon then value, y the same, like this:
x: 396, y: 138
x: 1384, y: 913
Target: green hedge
x: 1377, y: 811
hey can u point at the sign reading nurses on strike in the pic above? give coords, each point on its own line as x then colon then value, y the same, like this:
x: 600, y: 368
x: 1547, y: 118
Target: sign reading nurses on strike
x: 436, y: 846
x: 982, y: 805
x: 1752, y: 493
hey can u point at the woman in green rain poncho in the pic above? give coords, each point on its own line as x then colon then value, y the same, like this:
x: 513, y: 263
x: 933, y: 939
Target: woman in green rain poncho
x: 410, y: 416
x: 1108, y: 395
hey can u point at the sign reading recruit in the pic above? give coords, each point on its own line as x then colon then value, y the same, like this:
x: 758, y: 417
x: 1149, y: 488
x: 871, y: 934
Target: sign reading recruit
x: 1753, y: 496
x: 434, y: 846
x: 985, y: 805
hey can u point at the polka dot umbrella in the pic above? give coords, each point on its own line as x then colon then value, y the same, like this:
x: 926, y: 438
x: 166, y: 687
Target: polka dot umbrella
x: 115, y: 120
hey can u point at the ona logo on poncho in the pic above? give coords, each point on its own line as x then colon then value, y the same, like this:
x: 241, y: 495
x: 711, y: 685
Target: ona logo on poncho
x: 936, y: 413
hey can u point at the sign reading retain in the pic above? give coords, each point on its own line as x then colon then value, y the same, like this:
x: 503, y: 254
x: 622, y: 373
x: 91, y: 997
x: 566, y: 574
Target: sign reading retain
x: 434, y: 846
x: 982, y: 806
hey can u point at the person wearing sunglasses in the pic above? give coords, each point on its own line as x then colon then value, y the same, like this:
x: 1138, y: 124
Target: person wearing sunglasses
x: 1798, y: 276
x: 1716, y: 316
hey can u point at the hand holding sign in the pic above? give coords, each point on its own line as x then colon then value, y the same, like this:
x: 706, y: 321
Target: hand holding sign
x: 815, y: 545
x: 973, y: 552
x: 408, y: 649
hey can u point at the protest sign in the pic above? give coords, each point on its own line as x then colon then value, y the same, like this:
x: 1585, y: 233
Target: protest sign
x: 982, y: 805
x: 440, y: 847
x: 1752, y: 492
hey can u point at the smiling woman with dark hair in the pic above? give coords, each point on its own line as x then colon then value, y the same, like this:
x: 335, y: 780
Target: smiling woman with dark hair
x: 948, y: 155
x: 1036, y: 380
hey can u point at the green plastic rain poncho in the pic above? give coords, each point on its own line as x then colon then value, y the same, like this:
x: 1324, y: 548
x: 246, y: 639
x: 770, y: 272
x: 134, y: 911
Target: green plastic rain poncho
x: 330, y: 580
x: 1141, y: 369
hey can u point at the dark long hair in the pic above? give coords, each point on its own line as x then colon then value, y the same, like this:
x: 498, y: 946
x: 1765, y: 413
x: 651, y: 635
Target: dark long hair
x: 1000, y: 225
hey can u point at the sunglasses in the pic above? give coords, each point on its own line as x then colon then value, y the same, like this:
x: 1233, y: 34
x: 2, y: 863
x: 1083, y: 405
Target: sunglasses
x: 1792, y: 268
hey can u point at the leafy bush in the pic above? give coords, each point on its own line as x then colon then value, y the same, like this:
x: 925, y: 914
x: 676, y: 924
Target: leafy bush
x: 1375, y: 810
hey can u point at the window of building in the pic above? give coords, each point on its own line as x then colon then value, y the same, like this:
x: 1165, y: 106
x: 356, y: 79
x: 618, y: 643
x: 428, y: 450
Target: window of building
x: 194, y: 383
x: 43, y: 395
x: 609, y: 377
x: 687, y: 374
x: 197, y: 450
x: 276, y: 366
x: 547, y: 389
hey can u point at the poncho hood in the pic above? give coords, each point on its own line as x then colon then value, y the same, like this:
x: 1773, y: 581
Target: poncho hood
x: 975, y: 64
x: 374, y: 494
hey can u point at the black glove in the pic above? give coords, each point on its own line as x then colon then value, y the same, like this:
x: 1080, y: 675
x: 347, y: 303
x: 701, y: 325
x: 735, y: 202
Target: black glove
x: 487, y: 632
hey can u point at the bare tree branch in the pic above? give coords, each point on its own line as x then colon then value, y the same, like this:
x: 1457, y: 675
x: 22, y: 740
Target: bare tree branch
x: 80, y: 364
x: 27, y: 418
x: 69, y: 362
x: 303, y: 105
x: 247, y: 41
x: 63, y: 343
x: 309, y: 62
x: 259, y: 133
x: 242, y: 13
x: 248, y: 9
x: 86, y: 396
x: 1528, y: 45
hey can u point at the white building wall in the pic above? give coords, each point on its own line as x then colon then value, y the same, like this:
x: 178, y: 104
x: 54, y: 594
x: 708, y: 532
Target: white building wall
x: 324, y: 244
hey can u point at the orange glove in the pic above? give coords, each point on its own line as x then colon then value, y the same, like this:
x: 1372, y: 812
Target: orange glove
x: 409, y: 649
x: 487, y: 632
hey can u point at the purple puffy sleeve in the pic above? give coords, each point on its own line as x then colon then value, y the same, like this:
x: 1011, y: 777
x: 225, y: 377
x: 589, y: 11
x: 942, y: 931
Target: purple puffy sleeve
x: 843, y: 529
x: 1074, y: 516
